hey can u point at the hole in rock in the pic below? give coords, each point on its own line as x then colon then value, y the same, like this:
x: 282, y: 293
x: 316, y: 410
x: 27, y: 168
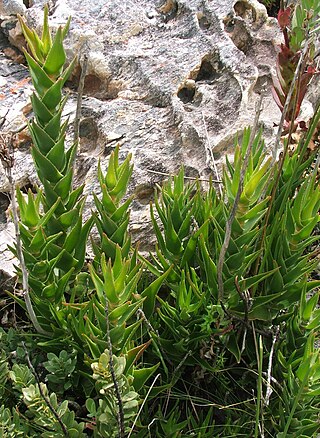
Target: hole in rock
x: 263, y: 84
x: 88, y: 128
x: 26, y: 187
x: 4, y: 204
x: 204, y: 22
x: 272, y: 6
x: 229, y: 23
x: 27, y: 3
x: 88, y: 132
x: 186, y: 94
x: 207, y: 71
x: 169, y: 9
x: 100, y: 88
x: 241, y: 37
x: 244, y: 10
x: 144, y: 193
x: 92, y: 84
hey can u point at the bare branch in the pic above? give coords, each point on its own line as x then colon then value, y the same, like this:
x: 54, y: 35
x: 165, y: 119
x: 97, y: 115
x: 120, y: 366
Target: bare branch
x: 120, y: 415
x: 211, y: 157
x: 46, y: 399
x: 269, y: 377
x: 218, y: 181
x: 84, y: 69
x: 143, y: 403
x: 230, y: 220
x: 7, y: 160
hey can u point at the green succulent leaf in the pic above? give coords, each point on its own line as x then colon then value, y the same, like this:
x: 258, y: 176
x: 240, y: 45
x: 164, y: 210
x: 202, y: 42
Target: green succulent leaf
x: 56, y: 57
x: 41, y: 111
x: 150, y: 292
x: 40, y: 79
x: 48, y: 170
x: 141, y: 376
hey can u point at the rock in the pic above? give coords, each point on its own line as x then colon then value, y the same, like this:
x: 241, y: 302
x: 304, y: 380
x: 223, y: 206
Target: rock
x: 10, y: 7
x: 7, y: 259
x: 172, y: 81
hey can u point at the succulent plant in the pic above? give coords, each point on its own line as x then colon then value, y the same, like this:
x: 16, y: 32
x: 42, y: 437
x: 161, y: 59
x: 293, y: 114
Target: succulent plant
x: 52, y: 230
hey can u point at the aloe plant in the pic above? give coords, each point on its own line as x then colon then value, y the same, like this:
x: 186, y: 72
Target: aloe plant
x: 112, y: 217
x: 52, y: 230
x: 265, y: 273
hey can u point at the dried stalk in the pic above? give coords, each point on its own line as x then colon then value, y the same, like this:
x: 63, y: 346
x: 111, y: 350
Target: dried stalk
x: 218, y: 181
x: 230, y: 220
x: 77, y: 119
x: 120, y: 416
x: 208, y: 148
x: 246, y: 299
x: 46, y: 400
x: 140, y: 314
x: 7, y: 160
x: 269, y: 377
x: 143, y: 403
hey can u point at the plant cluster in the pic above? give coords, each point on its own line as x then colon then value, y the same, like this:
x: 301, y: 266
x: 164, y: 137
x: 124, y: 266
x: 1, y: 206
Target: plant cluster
x: 214, y: 334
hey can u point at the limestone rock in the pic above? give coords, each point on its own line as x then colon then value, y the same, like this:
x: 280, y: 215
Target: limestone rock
x: 172, y: 81
x: 9, y: 7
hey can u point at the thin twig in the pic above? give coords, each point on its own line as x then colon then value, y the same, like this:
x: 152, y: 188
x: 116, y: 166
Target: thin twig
x: 77, y: 119
x: 246, y: 298
x: 7, y: 159
x: 120, y: 415
x: 143, y: 403
x: 259, y: 353
x: 3, y: 119
x: 247, y: 324
x: 140, y: 313
x: 230, y: 220
x: 185, y: 177
x: 208, y: 148
x: 46, y: 399
x: 269, y: 377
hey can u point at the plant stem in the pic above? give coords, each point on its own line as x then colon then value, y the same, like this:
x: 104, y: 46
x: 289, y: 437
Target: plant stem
x: 143, y: 403
x: 269, y: 387
x: 296, y: 401
x: 230, y: 220
x: 84, y: 68
x: 8, y: 161
x: 211, y: 157
x: 295, y: 79
x: 46, y: 399
x: 259, y: 391
x: 120, y: 415
x: 276, y: 173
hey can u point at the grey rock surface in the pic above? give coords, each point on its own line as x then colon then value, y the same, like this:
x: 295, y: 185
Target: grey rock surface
x: 13, y: 7
x: 172, y: 81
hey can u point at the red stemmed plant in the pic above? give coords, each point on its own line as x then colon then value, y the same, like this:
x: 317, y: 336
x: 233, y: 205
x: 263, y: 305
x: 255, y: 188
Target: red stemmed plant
x: 295, y: 28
